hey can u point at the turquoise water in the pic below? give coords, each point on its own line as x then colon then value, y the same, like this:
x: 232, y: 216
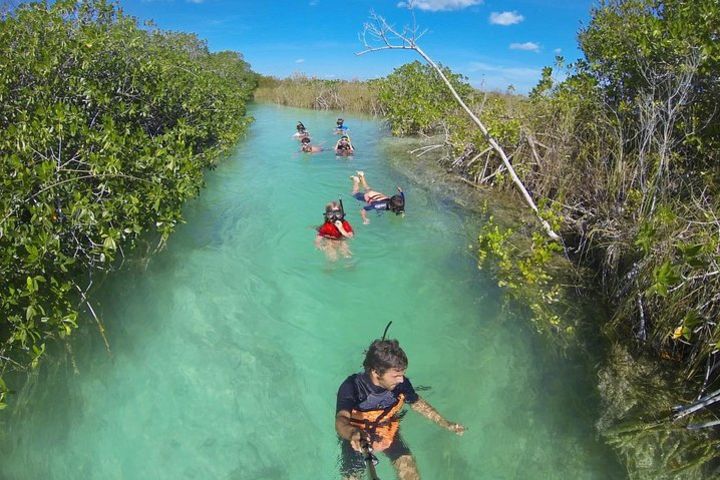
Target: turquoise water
x: 228, y: 349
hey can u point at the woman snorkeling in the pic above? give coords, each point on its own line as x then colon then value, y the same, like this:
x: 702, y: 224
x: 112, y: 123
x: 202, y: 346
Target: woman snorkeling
x: 307, y: 147
x: 331, y: 235
x: 344, y: 146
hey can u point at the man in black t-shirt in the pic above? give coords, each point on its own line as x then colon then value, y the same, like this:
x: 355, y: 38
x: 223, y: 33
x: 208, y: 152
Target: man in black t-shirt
x: 368, y: 405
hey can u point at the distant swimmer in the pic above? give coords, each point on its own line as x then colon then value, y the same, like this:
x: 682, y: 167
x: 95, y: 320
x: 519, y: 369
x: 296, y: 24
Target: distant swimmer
x: 301, y: 131
x: 367, y: 413
x: 374, y: 200
x: 331, y: 235
x: 307, y: 147
x: 340, y: 127
x: 344, y: 146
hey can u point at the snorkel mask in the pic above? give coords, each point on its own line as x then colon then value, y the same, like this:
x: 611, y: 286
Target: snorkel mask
x: 334, y: 215
x: 396, y: 204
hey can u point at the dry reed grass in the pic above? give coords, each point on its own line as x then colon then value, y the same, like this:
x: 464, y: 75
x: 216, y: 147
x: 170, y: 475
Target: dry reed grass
x: 318, y: 94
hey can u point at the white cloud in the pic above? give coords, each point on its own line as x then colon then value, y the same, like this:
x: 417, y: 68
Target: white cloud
x: 500, y: 77
x: 529, y: 46
x: 195, y: 1
x: 439, y: 5
x: 557, y: 51
x: 300, y: 60
x: 515, y: 72
x: 505, y: 18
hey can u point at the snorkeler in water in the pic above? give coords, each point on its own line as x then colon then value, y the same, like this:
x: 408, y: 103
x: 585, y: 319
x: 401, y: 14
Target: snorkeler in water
x: 374, y: 200
x: 301, y: 131
x: 332, y: 234
x: 368, y: 411
x: 307, y: 147
x: 344, y: 146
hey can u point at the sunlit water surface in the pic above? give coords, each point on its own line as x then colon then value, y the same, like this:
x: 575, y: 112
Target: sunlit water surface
x: 228, y: 349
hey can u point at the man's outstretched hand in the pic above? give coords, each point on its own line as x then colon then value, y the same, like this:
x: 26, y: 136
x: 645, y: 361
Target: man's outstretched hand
x: 456, y: 428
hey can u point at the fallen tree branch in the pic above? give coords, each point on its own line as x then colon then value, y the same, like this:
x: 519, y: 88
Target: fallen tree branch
x: 378, y: 35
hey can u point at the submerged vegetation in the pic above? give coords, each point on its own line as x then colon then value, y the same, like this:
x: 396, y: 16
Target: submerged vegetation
x: 105, y: 130
x: 622, y: 158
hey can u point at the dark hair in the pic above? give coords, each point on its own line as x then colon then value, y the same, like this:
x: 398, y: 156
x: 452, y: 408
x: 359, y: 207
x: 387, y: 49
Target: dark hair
x: 396, y: 204
x: 382, y: 355
x: 305, y: 140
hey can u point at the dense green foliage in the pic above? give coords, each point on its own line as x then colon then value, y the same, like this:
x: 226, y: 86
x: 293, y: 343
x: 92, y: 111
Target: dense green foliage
x: 105, y: 129
x: 415, y: 100
x: 627, y: 149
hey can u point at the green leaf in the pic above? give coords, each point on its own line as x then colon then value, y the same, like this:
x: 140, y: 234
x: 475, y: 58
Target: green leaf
x: 109, y: 244
x: 664, y: 276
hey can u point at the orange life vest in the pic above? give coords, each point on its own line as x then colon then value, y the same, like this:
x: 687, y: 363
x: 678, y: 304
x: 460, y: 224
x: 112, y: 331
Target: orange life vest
x: 381, y: 425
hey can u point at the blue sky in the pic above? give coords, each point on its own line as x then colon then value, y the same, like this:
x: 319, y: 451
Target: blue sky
x: 494, y: 43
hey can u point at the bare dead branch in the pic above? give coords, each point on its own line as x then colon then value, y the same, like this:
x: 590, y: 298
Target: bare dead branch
x: 378, y: 35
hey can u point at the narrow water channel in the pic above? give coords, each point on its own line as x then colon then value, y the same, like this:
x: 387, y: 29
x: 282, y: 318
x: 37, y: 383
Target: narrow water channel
x: 228, y: 349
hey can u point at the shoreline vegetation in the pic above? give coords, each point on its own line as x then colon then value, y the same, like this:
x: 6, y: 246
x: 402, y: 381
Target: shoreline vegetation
x: 316, y: 94
x: 621, y: 156
x: 106, y: 128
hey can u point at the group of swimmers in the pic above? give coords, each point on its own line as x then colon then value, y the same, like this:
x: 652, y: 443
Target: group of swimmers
x: 343, y: 146
x: 332, y: 234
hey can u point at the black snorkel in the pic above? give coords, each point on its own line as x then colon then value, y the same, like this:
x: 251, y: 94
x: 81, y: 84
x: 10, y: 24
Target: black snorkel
x: 385, y: 331
x: 342, y: 209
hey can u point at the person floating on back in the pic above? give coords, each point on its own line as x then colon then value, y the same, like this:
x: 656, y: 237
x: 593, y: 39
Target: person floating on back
x: 307, y: 147
x: 344, y: 146
x: 331, y: 235
x: 367, y: 410
x: 374, y: 200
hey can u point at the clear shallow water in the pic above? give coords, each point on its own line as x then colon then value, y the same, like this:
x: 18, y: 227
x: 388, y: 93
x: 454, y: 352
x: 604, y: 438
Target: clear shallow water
x: 228, y: 350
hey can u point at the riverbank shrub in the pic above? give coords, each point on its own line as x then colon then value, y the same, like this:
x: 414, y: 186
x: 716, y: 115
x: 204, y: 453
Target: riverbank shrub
x: 105, y: 130
x: 627, y: 146
x: 415, y: 101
